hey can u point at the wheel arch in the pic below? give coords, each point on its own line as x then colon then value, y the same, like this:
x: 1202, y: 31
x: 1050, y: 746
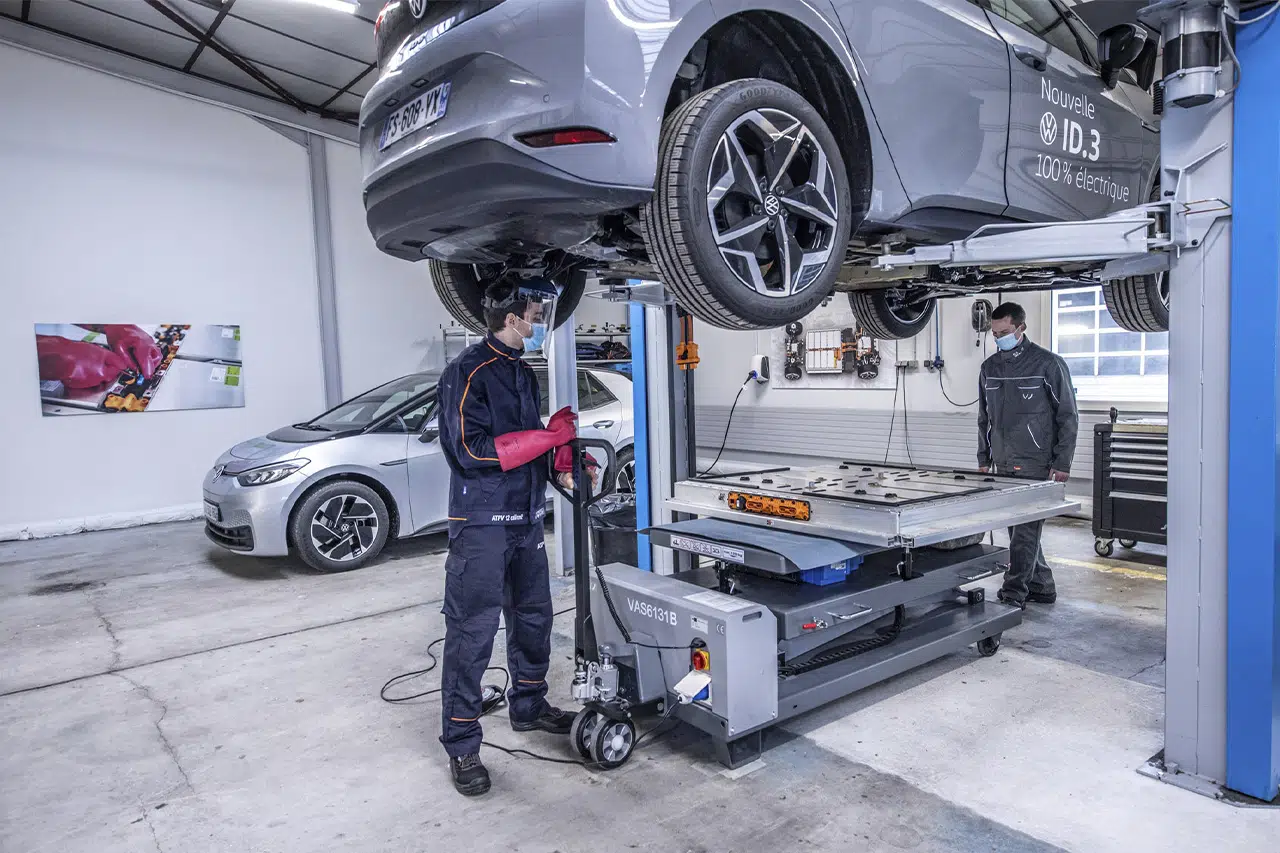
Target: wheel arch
x: 333, y: 475
x: 815, y: 61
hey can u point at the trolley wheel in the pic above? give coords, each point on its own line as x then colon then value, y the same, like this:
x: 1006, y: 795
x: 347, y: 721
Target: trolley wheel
x: 612, y: 742
x: 988, y: 646
x: 584, y: 725
x: 1128, y: 543
x: 1104, y: 547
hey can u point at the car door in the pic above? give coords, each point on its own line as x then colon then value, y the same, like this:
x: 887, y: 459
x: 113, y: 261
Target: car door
x: 428, y: 470
x: 1075, y: 146
x: 599, y: 412
x: 937, y: 78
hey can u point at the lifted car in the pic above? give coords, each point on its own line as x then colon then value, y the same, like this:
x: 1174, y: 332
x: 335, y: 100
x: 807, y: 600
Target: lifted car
x: 753, y: 155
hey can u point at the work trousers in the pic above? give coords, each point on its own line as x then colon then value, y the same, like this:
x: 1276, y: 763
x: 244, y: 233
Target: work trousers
x: 1028, y: 572
x: 492, y: 570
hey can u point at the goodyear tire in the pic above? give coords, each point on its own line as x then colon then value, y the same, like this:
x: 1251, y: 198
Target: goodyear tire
x: 751, y: 210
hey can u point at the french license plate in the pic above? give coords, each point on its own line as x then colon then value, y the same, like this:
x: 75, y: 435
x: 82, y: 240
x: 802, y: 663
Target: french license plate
x: 418, y: 113
x: 211, y: 511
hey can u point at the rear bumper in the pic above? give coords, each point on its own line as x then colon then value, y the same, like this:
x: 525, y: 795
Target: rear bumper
x: 482, y: 200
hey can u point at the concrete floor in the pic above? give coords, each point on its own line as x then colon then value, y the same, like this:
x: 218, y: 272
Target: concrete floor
x: 159, y: 694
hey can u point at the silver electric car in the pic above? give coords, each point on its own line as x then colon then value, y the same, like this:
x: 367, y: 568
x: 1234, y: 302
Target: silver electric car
x: 754, y: 155
x: 334, y: 489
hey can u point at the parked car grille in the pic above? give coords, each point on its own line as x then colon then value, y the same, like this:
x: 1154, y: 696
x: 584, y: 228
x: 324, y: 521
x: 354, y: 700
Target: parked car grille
x: 235, y: 538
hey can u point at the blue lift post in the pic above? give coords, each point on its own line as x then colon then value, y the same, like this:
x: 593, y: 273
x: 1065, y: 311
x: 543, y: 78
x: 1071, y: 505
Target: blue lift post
x: 640, y: 416
x: 1253, y: 528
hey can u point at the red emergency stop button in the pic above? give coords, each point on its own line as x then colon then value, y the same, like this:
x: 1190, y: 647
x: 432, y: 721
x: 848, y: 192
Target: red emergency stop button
x: 701, y: 660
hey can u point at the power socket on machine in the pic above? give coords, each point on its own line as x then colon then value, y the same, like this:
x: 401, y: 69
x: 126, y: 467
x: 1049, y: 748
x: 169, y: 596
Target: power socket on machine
x: 910, y: 365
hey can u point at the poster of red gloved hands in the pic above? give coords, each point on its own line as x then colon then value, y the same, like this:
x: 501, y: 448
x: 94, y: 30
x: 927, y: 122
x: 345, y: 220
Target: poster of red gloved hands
x: 107, y: 368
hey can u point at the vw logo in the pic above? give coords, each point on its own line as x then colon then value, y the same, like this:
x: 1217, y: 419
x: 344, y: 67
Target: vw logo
x: 346, y: 528
x: 1048, y: 128
x: 771, y: 205
x: 418, y: 7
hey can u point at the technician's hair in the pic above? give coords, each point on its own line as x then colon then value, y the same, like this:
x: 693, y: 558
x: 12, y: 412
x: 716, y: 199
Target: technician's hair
x: 1010, y: 311
x: 497, y: 294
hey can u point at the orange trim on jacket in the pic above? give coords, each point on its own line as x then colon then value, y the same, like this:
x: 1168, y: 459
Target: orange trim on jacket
x: 462, y: 419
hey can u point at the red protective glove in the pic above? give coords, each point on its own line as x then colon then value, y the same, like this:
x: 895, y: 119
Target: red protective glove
x: 136, y: 347
x: 77, y: 364
x: 520, y: 448
x: 565, y: 424
x: 564, y: 460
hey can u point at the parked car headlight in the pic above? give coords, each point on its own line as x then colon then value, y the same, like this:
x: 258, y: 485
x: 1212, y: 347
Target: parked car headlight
x: 270, y: 473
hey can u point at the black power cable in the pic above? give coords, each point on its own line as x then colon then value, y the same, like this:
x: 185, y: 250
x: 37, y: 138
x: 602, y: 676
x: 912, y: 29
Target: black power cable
x: 897, y: 380
x: 729, y: 423
x: 943, y: 386
x: 906, y: 423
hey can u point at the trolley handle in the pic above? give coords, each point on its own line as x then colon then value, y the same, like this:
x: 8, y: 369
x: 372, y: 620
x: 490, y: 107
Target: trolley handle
x: 607, y: 474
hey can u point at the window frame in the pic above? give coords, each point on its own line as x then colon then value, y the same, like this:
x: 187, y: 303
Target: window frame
x: 1086, y: 57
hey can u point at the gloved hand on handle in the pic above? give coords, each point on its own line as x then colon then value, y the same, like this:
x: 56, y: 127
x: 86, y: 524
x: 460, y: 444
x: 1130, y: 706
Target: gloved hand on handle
x: 77, y: 364
x: 564, y: 466
x: 520, y: 448
x: 135, y: 346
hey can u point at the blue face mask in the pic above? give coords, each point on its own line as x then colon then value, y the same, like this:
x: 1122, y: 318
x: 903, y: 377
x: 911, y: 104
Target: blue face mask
x: 1007, y: 342
x: 537, y: 337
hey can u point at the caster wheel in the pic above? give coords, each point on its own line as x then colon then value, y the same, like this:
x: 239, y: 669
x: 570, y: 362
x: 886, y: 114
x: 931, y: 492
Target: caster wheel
x: 988, y: 646
x: 1104, y: 547
x: 1128, y: 543
x: 584, y: 726
x: 612, y: 742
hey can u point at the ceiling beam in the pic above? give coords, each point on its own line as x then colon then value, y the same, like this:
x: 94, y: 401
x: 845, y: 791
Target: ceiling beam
x: 208, y: 34
x: 46, y: 42
x: 229, y: 55
x: 354, y: 80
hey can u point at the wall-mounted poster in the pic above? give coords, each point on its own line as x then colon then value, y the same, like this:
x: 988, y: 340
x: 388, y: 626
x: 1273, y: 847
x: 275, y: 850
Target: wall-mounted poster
x: 104, y: 368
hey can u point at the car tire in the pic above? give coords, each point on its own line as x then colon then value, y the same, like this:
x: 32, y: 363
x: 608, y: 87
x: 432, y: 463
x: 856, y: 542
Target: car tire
x: 883, y: 316
x: 341, y: 502
x: 461, y: 290
x: 624, y: 478
x: 685, y: 230
x: 1139, y: 303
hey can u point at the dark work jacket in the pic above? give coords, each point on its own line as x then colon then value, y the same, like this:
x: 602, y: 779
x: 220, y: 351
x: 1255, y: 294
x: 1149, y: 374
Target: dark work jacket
x: 485, y: 392
x: 1027, y: 418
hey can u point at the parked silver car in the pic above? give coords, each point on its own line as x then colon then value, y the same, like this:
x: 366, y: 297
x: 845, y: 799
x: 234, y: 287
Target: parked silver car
x: 753, y: 155
x: 335, y: 488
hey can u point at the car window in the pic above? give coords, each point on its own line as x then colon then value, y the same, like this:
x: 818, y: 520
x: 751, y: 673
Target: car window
x: 599, y: 394
x: 415, y: 419
x: 1043, y: 19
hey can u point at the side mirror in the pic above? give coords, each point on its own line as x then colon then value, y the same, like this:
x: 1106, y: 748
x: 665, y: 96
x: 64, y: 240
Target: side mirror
x: 429, y: 434
x: 1120, y: 47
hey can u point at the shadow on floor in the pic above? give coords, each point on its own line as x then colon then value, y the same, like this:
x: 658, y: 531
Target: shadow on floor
x: 255, y: 568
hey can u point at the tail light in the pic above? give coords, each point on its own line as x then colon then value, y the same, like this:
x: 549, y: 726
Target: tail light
x: 568, y: 136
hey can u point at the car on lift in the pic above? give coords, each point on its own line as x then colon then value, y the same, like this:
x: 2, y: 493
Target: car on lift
x: 336, y: 488
x: 753, y: 155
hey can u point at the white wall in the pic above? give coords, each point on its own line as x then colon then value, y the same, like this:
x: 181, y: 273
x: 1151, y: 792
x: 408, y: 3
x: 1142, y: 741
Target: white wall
x: 125, y: 204
x: 726, y: 359
x: 389, y: 319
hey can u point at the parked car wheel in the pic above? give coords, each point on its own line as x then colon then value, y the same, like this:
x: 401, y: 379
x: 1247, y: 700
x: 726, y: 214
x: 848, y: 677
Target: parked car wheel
x: 624, y: 481
x: 751, y: 210
x: 340, y: 526
x: 461, y: 290
x: 888, y: 315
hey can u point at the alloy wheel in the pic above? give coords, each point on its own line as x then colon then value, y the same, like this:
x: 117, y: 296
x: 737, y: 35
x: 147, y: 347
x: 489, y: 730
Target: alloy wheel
x: 625, y: 481
x: 772, y: 202
x: 344, y: 527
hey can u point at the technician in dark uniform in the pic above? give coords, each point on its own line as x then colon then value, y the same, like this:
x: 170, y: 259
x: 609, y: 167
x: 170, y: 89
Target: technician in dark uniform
x: 1027, y: 425
x: 492, y: 436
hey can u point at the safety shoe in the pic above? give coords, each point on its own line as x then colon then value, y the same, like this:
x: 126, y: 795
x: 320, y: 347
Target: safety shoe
x: 1005, y: 598
x: 469, y: 775
x: 1042, y: 597
x: 551, y: 720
